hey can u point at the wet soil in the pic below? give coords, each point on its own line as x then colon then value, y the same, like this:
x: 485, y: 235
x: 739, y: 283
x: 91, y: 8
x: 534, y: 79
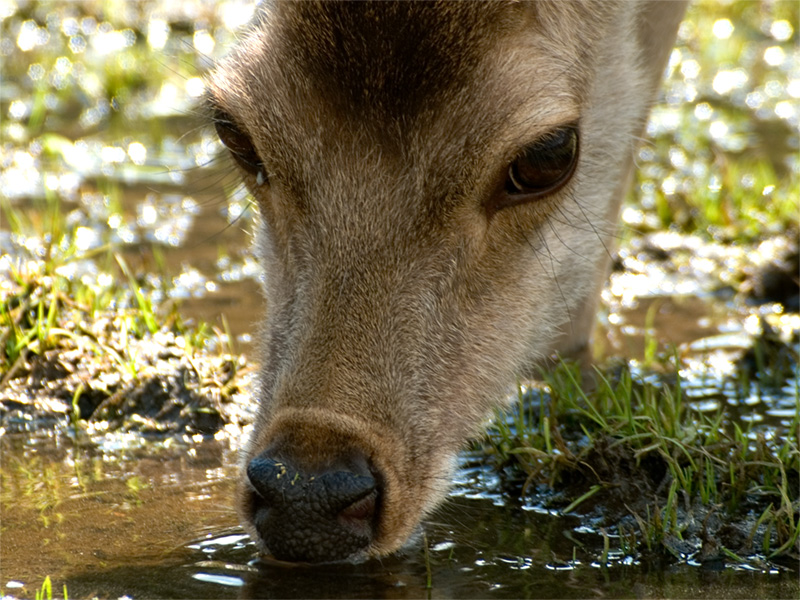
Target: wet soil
x: 173, y: 388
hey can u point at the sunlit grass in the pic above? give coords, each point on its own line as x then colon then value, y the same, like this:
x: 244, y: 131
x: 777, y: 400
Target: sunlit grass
x: 46, y: 591
x: 559, y: 433
x: 55, y: 292
x: 59, y: 298
x: 721, y: 155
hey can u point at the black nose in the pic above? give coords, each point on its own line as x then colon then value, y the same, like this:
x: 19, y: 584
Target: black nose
x: 321, y: 517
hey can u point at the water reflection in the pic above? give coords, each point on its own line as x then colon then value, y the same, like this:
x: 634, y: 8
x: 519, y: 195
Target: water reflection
x: 86, y: 515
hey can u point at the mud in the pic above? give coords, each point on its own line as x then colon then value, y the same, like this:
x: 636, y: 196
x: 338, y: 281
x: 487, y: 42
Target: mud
x: 166, y: 385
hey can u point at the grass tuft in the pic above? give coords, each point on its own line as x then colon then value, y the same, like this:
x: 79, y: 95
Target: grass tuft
x: 633, y: 450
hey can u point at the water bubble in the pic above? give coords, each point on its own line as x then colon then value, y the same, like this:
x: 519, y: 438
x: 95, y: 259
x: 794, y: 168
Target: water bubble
x: 77, y: 44
x: 203, y: 41
x: 781, y: 30
x: 138, y: 152
x: 774, y: 56
x: 195, y: 87
x: 722, y: 29
x: 158, y: 31
x: 726, y: 81
x: 18, y: 110
x: 703, y: 111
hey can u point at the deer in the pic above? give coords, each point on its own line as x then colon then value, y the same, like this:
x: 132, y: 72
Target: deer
x: 438, y: 186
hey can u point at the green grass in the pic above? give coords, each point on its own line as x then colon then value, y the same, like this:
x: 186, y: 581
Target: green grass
x: 46, y: 591
x: 741, y: 185
x: 634, y: 434
x: 49, y: 307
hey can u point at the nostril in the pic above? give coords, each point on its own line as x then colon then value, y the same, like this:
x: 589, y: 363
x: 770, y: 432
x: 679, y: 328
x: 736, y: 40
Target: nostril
x: 265, y: 476
x: 344, y: 490
x: 361, y: 512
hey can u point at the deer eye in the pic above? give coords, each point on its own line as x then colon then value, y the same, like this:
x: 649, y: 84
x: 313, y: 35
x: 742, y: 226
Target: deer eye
x: 543, y: 167
x: 239, y: 144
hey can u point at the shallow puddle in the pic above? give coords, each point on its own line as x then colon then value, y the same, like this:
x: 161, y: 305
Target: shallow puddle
x: 121, y: 516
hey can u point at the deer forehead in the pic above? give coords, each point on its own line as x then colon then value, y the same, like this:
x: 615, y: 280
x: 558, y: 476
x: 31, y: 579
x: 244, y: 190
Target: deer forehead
x: 308, y: 77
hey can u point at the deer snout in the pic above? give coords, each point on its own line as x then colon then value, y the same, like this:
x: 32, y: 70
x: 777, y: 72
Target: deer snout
x: 313, y: 515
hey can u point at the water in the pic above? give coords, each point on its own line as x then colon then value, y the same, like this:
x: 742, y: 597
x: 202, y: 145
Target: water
x: 122, y: 516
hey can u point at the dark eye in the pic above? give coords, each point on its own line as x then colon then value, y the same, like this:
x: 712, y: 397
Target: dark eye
x: 239, y: 144
x: 543, y: 167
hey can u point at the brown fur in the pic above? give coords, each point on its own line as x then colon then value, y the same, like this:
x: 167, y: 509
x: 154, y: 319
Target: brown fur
x: 398, y: 308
